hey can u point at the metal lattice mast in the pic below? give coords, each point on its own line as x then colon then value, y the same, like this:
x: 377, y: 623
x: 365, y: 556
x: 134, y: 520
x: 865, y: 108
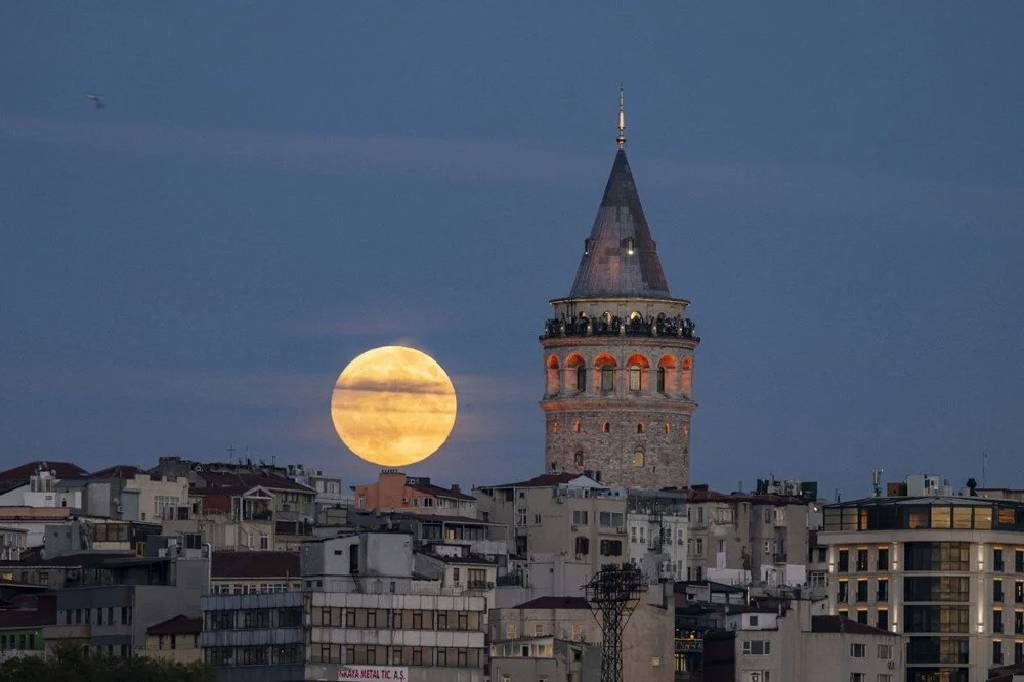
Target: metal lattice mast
x: 613, y: 594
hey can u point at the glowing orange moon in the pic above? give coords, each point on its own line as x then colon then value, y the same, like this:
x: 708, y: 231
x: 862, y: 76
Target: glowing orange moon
x: 393, y: 406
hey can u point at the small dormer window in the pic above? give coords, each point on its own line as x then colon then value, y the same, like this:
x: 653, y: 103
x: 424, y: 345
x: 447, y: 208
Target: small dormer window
x: 630, y: 246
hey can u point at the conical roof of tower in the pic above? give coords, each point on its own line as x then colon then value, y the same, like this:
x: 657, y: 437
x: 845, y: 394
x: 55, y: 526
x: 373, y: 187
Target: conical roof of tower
x: 608, y: 268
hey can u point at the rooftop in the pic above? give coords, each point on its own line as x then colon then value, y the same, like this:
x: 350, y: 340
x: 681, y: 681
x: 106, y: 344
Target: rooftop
x: 229, y: 564
x: 840, y: 624
x: 25, y: 471
x: 555, y: 603
x: 179, y: 625
x: 620, y: 258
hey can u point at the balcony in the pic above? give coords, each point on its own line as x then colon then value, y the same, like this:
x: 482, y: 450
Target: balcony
x: 681, y: 327
x: 482, y: 585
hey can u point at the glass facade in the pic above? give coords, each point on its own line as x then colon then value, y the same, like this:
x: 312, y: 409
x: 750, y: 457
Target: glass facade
x: 884, y: 514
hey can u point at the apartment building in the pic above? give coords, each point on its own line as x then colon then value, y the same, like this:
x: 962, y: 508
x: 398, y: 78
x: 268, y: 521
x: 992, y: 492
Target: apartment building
x: 747, y: 539
x: 658, y: 531
x: 395, y: 491
x: 945, y: 572
x: 254, y: 572
x: 362, y: 606
x: 793, y: 643
x: 647, y: 649
x: 108, y: 607
x: 565, y: 527
x: 175, y: 639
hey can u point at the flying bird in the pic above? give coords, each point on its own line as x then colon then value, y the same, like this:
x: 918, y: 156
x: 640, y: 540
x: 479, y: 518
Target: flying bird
x: 96, y: 99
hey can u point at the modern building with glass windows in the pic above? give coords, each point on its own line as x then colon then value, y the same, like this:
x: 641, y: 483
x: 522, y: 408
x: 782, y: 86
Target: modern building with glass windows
x: 945, y: 572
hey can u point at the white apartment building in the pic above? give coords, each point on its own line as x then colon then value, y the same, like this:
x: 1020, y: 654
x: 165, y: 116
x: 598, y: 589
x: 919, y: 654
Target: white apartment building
x: 945, y: 572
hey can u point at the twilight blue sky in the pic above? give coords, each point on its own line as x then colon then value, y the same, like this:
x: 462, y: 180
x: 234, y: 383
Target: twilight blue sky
x: 274, y: 188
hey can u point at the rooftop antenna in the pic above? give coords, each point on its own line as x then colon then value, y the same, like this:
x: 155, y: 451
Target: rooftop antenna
x: 621, y: 139
x: 613, y: 593
x: 876, y: 481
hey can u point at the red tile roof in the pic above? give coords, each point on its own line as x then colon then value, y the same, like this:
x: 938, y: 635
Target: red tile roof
x: 253, y: 564
x: 542, y: 481
x: 23, y: 472
x: 555, y: 603
x: 179, y: 625
x: 840, y: 624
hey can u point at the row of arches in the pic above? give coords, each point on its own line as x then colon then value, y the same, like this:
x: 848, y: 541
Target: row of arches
x: 670, y: 377
x: 605, y: 426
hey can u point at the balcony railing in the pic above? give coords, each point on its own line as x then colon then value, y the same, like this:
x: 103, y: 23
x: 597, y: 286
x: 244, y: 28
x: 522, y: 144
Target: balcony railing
x: 682, y: 327
x: 479, y: 585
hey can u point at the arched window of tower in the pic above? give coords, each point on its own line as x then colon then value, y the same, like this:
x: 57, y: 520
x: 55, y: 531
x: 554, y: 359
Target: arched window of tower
x: 687, y: 376
x: 667, y: 378
x: 668, y: 427
x: 553, y: 376
x: 638, y: 458
x: 605, y: 364
x: 578, y: 371
x: 578, y: 458
x: 576, y: 426
x: 638, y: 366
x: 556, y: 426
x: 639, y: 428
x: 606, y: 427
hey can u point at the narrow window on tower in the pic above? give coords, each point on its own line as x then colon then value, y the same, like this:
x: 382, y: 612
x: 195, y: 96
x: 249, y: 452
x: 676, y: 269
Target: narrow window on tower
x: 576, y: 426
x: 578, y: 458
x: 668, y: 428
x: 634, y: 379
x: 606, y: 427
x: 607, y: 379
x: 661, y: 380
x: 639, y: 428
x: 638, y: 458
x: 630, y: 246
x: 581, y: 378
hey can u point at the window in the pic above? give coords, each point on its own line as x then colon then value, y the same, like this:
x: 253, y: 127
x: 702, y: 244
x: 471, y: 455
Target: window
x: 844, y: 561
x: 607, y: 379
x: 581, y: 378
x: 579, y: 518
x: 857, y: 649
x: 634, y: 379
x: 857, y: 677
x: 757, y: 647
x: 883, y: 589
x: 582, y: 546
x: 578, y: 458
x: 997, y: 590
x: 661, y: 382
x: 576, y: 426
x: 862, y: 616
x: 862, y: 590
x: 885, y: 651
x: 611, y: 548
x: 883, y: 619
x: 638, y: 458
x: 844, y: 591
x: 606, y: 427
x: 883, y: 558
x: 862, y: 559
x: 997, y: 560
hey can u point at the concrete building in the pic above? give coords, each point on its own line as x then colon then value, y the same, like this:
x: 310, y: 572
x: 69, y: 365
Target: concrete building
x: 545, y: 658
x: 33, y: 520
x: 13, y: 541
x: 658, y: 531
x: 796, y: 645
x: 22, y: 623
x: 109, y: 607
x: 35, y: 485
x: 565, y: 528
x: 748, y: 539
x: 395, y: 491
x: 647, y: 648
x: 175, y: 639
x: 328, y: 489
x: 125, y: 492
x: 945, y: 572
x: 362, y: 606
x: 254, y: 572
x: 227, y: 518
x: 618, y: 356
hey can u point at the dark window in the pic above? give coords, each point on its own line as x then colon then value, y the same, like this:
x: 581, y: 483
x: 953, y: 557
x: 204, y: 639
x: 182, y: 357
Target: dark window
x: 862, y: 560
x: 883, y: 619
x: 883, y: 590
x: 883, y: 558
x: 936, y: 588
x: 1019, y: 567
x: 844, y: 560
x: 844, y: 591
x: 583, y: 546
x: 607, y: 379
x: 997, y: 590
x: 581, y: 384
x: 661, y: 379
x: 353, y: 560
x: 941, y: 650
x: 862, y: 590
x: 997, y: 620
x: 862, y: 616
x: 997, y: 560
x: 936, y: 556
x: 944, y: 618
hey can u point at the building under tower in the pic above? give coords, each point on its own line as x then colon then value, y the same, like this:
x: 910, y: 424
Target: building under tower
x: 618, y: 354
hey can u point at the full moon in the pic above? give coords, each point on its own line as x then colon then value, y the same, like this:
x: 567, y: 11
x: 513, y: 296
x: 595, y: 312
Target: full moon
x: 393, y: 406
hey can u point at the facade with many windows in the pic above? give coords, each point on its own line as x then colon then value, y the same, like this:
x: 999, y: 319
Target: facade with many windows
x: 945, y: 572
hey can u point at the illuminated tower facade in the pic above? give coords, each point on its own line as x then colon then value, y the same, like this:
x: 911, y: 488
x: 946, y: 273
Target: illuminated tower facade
x: 618, y: 354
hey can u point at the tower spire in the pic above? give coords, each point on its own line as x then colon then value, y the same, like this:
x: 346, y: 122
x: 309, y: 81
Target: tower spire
x: 621, y: 139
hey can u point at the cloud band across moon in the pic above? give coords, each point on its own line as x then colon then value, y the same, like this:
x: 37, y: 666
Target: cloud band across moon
x: 393, y: 406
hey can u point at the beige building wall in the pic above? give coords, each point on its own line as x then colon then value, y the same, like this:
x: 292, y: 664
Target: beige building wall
x: 157, y: 492
x: 182, y: 649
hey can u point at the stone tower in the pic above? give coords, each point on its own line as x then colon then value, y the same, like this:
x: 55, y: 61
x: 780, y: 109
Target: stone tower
x: 618, y: 354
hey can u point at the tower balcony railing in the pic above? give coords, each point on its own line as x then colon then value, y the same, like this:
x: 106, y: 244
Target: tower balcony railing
x: 681, y: 327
